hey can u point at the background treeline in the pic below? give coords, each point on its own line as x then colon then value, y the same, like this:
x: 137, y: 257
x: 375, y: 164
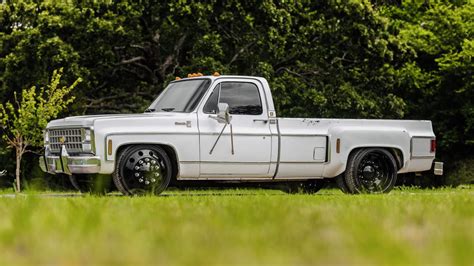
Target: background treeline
x: 342, y: 59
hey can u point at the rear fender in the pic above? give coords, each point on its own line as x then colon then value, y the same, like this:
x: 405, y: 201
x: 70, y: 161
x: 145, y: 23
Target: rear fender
x: 397, y: 141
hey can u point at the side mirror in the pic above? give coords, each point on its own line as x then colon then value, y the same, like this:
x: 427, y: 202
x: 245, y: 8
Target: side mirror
x: 223, y: 116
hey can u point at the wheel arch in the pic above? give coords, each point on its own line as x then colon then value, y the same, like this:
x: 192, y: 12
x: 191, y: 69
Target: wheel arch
x: 395, y: 151
x: 169, y: 149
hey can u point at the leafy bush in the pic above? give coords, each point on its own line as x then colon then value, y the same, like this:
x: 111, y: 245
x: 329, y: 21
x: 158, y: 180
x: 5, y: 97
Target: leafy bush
x: 462, y: 173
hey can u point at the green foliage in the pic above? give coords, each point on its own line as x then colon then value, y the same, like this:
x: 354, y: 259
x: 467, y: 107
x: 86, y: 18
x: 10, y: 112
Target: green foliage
x: 436, y: 68
x: 345, y: 59
x: 23, y: 121
x: 463, y: 172
x: 27, y: 118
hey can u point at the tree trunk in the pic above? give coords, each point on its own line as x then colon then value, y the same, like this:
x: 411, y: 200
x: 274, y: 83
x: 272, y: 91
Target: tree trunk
x: 19, y: 154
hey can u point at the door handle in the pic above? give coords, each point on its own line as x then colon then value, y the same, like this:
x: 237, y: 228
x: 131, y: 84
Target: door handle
x: 261, y: 120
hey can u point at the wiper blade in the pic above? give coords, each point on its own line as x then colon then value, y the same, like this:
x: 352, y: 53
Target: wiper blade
x: 149, y: 110
x: 167, y: 109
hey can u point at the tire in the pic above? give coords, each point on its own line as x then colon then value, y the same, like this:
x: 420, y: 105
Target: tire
x: 341, y: 184
x: 371, y: 170
x: 306, y: 187
x: 142, y: 170
x: 95, y: 184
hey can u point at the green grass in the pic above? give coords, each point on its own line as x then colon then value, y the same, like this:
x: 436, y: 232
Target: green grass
x: 240, y: 227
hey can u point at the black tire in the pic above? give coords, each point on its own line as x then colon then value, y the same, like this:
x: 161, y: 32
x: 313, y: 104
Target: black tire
x: 142, y: 169
x: 371, y: 170
x: 95, y: 184
x: 341, y: 184
x: 306, y: 187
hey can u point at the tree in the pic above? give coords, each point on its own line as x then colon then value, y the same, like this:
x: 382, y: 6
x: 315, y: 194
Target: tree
x: 348, y: 59
x: 24, y: 120
x: 433, y: 54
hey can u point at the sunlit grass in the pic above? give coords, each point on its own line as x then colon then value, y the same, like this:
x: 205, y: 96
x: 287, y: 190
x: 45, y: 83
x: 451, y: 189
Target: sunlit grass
x: 240, y: 226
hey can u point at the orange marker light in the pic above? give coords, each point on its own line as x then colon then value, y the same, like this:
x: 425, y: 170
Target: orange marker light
x: 216, y: 74
x: 193, y: 75
x: 109, y: 147
x: 177, y: 78
x: 338, y: 145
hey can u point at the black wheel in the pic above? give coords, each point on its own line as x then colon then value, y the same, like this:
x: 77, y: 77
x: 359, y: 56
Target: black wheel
x: 371, y: 170
x: 341, y: 184
x: 142, y: 169
x: 307, y: 187
x: 96, y: 184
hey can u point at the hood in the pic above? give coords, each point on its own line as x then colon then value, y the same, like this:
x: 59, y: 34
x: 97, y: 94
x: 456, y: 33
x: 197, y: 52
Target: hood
x: 88, y: 120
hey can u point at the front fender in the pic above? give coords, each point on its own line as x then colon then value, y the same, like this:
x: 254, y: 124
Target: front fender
x: 185, y: 146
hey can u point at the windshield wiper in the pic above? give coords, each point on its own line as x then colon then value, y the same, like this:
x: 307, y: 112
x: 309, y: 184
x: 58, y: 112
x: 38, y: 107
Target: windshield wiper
x: 167, y: 109
x: 149, y: 110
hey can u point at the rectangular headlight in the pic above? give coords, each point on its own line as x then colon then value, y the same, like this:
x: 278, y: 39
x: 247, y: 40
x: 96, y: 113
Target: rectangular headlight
x: 87, y: 135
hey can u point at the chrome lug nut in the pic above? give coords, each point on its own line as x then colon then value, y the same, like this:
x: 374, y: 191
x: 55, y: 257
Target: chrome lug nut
x: 147, y: 159
x: 137, y: 167
x: 141, y: 180
x: 147, y: 182
x: 153, y: 180
x: 137, y: 174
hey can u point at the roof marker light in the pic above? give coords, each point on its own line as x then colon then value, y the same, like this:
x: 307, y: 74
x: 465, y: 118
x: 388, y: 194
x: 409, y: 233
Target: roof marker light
x: 193, y: 75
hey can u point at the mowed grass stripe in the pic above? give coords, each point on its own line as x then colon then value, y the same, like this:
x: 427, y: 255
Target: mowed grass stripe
x: 240, y: 226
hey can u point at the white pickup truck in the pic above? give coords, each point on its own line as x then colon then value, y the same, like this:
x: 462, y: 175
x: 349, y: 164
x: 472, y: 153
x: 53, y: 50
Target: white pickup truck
x: 225, y: 128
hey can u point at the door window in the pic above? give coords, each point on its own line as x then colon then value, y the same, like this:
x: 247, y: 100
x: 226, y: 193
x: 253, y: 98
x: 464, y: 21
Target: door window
x: 243, y: 98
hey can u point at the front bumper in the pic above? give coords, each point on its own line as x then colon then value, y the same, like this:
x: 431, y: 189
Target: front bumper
x: 66, y: 164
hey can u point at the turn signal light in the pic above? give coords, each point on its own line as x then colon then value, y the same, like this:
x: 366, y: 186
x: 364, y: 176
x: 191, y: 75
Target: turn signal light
x: 193, y: 75
x: 109, y: 147
x: 433, y: 145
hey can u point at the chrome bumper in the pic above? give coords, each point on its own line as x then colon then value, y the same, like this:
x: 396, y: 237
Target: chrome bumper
x: 438, y: 168
x: 66, y: 164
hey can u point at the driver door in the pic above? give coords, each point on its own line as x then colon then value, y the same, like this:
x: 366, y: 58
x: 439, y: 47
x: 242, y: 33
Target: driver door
x: 246, y: 152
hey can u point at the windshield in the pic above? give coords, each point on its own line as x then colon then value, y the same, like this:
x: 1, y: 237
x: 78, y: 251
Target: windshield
x: 181, y: 96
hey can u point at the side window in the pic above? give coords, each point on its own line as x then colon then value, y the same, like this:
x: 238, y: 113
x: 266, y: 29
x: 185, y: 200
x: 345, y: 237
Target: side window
x: 243, y: 98
x: 211, y: 104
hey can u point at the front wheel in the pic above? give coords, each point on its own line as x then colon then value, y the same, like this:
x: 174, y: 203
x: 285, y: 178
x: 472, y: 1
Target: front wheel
x: 142, y: 169
x: 371, y: 170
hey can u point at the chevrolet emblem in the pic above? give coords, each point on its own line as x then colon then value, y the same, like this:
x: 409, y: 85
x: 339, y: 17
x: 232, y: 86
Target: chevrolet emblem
x: 62, y: 140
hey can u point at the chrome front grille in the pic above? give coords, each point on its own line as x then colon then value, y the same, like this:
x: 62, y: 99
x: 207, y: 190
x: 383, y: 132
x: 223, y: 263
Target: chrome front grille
x: 72, y: 138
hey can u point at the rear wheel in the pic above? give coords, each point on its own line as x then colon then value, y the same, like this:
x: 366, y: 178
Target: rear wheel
x: 371, y: 170
x: 142, y: 169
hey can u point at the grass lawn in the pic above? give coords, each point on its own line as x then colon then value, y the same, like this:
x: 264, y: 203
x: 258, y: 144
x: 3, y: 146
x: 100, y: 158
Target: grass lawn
x: 240, y: 227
